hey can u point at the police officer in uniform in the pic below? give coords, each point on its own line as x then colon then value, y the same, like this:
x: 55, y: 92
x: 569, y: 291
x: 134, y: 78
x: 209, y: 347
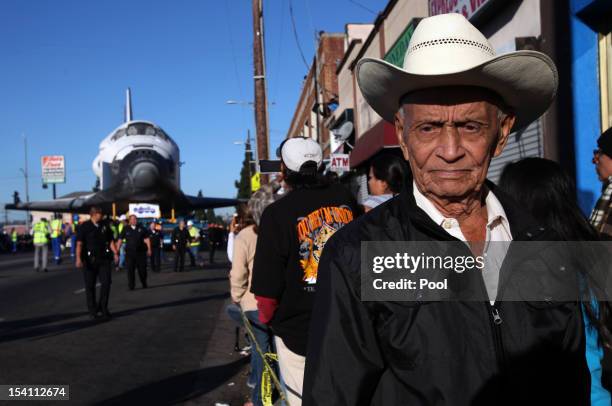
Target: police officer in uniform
x: 180, y: 240
x: 155, y: 237
x: 95, y: 251
x: 137, y: 248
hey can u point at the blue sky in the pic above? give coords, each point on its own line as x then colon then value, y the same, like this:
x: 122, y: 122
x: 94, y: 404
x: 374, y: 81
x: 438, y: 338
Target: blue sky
x: 66, y: 64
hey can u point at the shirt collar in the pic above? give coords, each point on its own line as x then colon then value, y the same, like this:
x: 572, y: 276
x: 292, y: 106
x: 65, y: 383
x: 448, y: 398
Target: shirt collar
x: 495, y: 211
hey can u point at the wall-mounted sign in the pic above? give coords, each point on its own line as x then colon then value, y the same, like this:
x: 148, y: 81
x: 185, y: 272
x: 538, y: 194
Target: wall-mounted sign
x: 53, y: 169
x: 144, y: 210
x: 396, y: 53
x: 339, y: 163
x: 469, y: 8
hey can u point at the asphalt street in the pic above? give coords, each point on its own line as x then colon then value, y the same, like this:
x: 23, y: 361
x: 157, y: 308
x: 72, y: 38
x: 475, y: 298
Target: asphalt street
x: 169, y: 344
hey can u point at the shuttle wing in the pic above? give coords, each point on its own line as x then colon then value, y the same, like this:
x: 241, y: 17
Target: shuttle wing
x: 73, y: 203
x: 195, y: 202
x: 81, y: 203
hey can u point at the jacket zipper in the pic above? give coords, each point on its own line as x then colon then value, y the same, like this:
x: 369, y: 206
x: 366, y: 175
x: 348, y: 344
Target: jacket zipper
x: 496, y: 322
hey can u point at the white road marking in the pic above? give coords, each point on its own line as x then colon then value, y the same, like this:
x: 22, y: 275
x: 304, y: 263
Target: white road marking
x: 79, y: 291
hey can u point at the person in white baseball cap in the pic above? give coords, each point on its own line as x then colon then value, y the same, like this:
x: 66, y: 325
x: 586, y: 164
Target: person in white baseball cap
x: 301, y: 155
x: 453, y: 104
x: 292, y: 234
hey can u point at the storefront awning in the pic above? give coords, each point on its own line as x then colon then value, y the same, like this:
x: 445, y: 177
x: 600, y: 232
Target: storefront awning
x: 381, y: 135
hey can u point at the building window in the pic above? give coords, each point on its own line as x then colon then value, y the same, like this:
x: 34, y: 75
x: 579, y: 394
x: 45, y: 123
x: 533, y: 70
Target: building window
x: 605, y: 79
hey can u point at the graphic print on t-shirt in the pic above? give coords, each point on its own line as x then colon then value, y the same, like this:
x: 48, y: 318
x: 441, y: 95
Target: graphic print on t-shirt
x: 313, y: 232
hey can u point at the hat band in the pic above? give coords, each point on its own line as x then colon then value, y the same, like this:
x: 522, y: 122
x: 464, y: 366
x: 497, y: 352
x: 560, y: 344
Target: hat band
x: 446, y: 41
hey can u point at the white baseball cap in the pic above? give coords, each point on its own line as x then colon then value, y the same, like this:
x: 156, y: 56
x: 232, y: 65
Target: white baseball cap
x: 122, y: 217
x: 297, y: 151
x: 190, y: 223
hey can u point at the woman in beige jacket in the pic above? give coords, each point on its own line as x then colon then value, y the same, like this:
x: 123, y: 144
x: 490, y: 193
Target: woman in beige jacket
x: 240, y: 282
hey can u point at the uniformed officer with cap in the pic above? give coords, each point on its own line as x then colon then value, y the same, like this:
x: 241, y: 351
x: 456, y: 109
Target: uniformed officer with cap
x: 180, y: 240
x: 155, y: 237
x: 95, y: 251
x: 137, y: 248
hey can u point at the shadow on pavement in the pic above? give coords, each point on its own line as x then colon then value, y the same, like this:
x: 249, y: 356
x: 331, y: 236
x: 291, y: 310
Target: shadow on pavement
x: 6, y: 326
x: 203, y: 280
x: 179, y: 388
x: 43, y: 332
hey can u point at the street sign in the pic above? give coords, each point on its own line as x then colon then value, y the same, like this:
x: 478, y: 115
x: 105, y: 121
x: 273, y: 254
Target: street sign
x: 53, y: 169
x: 255, y: 182
x: 340, y: 163
x: 144, y: 210
x: 469, y: 8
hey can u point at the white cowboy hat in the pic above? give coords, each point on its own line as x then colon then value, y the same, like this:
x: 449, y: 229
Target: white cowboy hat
x: 446, y: 50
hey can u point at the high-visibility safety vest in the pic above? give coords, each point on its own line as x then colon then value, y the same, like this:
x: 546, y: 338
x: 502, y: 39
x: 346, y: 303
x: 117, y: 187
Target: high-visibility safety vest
x: 14, y: 236
x: 194, y: 233
x: 120, y: 229
x: 41, y: 230
x: 113, y: 228
x: 56, y: 228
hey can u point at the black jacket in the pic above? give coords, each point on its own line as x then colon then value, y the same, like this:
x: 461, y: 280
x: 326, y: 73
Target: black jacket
x: 180, y: 238
x: 436, y: 353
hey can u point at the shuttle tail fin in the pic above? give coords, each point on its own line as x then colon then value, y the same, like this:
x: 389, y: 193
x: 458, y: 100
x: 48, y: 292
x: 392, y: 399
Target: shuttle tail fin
x: 128, y: 106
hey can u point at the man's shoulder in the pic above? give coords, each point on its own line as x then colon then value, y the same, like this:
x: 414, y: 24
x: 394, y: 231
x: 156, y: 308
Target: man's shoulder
x: 86, y: 225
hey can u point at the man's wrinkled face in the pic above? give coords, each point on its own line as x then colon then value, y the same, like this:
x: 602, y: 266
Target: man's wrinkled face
x: 133, y: 220
x: 449, y: 136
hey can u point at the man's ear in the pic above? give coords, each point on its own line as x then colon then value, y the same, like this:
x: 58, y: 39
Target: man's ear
x: 399, y: 132
x: 504, y: 132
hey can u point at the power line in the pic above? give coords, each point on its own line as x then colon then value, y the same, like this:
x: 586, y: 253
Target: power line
x: 362, y: 6
x: 295, y: 34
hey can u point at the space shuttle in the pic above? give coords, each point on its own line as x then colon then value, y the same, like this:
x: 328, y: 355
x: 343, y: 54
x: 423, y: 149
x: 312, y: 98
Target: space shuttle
x: 138, y: 162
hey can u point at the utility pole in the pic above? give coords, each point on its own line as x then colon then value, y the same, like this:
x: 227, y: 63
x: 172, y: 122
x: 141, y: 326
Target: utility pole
x: 27, y: 183
x: 261, y: 99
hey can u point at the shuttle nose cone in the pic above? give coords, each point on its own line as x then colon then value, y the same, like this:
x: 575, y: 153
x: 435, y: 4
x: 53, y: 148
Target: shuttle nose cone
x: 144, y: 175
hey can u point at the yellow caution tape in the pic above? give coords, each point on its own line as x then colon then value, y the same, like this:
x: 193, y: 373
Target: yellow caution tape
x: 267, y: 388
x: 268, y: 377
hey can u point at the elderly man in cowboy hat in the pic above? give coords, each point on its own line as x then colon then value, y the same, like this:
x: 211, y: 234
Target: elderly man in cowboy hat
x: 453, y: 104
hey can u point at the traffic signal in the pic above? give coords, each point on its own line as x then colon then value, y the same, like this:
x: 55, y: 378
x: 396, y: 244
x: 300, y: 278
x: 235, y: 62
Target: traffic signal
x: 16, y: 199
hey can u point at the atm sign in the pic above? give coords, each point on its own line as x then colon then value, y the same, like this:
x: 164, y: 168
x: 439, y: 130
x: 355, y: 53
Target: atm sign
x: 340, y: 163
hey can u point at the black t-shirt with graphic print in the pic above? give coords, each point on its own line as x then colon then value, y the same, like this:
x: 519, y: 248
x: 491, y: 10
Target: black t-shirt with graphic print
x: 291, y: 236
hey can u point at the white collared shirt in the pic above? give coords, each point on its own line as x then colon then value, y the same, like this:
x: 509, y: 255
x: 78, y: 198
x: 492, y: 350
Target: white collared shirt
x: 498, y: 229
